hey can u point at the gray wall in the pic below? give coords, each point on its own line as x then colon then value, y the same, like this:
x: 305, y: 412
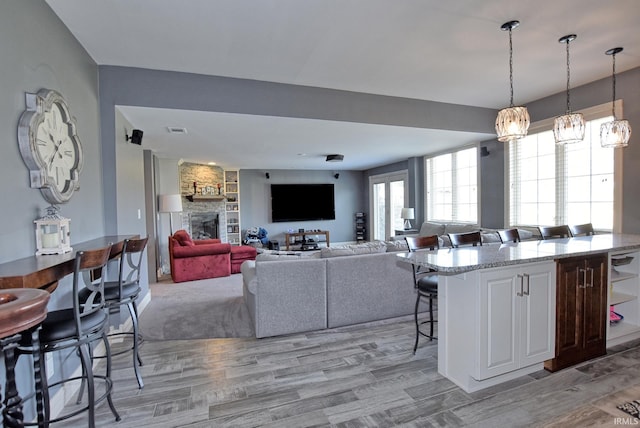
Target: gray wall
x: 37, y: 52
x: 255, y: 201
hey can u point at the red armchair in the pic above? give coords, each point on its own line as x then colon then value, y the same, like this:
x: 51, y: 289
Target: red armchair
x: 199, y: 259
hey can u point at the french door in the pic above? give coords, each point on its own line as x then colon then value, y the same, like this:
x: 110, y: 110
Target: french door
x: 388, y: 193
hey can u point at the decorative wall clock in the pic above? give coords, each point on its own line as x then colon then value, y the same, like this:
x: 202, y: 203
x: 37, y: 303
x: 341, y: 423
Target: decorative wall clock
x: 50, y: 146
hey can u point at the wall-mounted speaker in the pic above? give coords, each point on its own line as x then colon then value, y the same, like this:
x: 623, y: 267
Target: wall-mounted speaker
x: 136, y: 137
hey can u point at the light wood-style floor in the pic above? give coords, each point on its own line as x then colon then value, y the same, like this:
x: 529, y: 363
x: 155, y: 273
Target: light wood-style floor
x: 360, y: 376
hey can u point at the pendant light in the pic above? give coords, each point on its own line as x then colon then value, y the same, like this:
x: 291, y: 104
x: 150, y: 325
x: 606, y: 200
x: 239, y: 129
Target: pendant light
x: 512, y: 123
x: 570, y: 127
x: 617, y: 132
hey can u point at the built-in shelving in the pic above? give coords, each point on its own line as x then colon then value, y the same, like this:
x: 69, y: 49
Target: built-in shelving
x: 361, y: 227
x: 232, y: 206
x: 624, y: 290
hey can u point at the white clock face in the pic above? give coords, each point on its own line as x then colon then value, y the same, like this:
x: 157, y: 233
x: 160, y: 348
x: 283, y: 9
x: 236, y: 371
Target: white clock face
x: 56, y: 148
x: 50, y: 147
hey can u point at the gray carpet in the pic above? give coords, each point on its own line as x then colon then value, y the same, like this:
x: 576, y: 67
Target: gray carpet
x: 205, y: 309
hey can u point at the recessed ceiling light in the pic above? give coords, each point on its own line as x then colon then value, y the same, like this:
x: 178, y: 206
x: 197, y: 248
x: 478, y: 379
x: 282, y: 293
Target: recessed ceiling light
x: 302, y: 154
x: 176, y: 130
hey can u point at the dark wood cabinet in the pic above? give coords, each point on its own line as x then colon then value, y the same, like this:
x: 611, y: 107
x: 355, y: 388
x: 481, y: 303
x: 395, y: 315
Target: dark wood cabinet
x: 581, y: 310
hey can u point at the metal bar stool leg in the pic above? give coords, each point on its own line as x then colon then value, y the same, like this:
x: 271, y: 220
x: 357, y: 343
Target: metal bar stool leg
x: 136, y: 356
x: 431, y: 317
x: 109, y: 383
x: 415, y: 317
x: 12, y: 415
x: 40, y: 378
x: 135, y: 310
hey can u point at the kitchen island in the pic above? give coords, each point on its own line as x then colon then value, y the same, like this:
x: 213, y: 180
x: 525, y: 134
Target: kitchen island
x: 497, y: 304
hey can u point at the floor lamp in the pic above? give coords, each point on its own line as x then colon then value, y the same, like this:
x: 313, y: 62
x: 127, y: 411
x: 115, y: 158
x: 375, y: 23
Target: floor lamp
x: 170, y: 204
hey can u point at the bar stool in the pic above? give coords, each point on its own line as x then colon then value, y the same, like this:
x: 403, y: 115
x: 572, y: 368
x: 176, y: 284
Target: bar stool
x: 550, y: 232
x: 22, y: 310
x: 77, y: 327
x: 582, y: 229
x: 467, y: 238
x: 124, y: 292
x: 425, y: 282
x: 509, y: 235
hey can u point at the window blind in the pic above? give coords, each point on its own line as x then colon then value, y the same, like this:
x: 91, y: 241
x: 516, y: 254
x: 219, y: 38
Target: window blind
x: 554, y: 184
x: 452, y: 186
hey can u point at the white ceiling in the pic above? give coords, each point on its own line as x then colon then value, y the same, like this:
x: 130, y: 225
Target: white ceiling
x: 450, y: 52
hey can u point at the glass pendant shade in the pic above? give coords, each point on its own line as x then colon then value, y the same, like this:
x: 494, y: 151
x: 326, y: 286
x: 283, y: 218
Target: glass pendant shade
x: 512, y: 123
x: 615, y: 133
x: 569, y: 128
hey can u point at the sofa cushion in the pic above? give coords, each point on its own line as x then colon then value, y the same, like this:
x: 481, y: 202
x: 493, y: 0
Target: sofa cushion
x: 394, y: 246
x: 430, y: 229
x: 355, y: 249
x: 460, y: 228
x: 287, y: 256
x: 183, y: 238
x: 201, y: 250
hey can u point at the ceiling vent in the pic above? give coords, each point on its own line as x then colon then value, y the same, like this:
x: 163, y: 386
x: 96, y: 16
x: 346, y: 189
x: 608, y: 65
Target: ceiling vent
x: 176, y: 130
x: 335, y: 158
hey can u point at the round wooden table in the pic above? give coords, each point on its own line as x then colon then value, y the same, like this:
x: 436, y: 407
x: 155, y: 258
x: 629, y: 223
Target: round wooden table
x: 21, y: 309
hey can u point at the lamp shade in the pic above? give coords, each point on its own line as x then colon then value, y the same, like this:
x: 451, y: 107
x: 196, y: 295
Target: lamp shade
x: 170, y: 203
x: 407, y: 214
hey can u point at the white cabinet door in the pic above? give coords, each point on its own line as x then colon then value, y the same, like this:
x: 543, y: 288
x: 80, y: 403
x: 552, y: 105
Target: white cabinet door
x: 538, y: 310
x: 498, y: 335
x: 517, y: 318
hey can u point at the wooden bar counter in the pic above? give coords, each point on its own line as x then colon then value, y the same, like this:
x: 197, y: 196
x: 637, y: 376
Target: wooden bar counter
x: 45, y: 271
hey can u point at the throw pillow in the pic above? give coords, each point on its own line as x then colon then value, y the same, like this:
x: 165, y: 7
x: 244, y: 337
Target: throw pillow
x: 183, y: 238
x: 430, y: 229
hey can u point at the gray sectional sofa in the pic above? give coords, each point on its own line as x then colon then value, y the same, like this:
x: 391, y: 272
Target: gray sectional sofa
x: 335, y: 287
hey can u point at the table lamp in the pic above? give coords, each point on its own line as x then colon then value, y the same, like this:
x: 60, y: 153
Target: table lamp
x: 407, y: 214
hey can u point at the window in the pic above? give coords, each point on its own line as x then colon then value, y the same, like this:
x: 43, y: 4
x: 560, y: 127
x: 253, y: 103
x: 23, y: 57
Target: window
x: 553, y: 184
x: 452, y: 186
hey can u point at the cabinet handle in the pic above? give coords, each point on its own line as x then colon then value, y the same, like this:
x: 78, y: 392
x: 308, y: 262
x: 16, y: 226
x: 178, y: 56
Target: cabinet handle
x: 591, y: 283
x: 584, y: 278
x: 521, y: 278
x: 526, y: 275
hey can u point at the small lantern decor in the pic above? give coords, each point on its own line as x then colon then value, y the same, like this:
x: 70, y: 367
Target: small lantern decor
x: 52, y: 233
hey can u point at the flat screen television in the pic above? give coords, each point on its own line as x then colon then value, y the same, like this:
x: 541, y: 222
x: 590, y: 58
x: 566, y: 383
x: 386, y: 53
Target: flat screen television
x: 302, y: 202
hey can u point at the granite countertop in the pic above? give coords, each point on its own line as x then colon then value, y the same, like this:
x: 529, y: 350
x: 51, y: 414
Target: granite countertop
x: 453, y: 261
